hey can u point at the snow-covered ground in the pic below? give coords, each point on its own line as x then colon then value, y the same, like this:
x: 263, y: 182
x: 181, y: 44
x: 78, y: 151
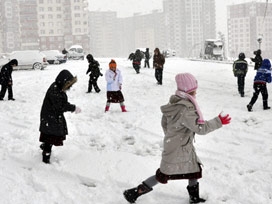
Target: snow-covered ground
x: 106, y: 153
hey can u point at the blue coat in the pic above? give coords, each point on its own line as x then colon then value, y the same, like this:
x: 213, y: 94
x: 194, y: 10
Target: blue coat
x: 263, y: 74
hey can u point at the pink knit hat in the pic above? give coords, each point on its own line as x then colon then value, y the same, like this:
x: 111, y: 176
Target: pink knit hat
x: 186, y: 82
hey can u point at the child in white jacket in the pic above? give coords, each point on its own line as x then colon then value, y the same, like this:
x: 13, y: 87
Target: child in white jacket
x: 114, y: 85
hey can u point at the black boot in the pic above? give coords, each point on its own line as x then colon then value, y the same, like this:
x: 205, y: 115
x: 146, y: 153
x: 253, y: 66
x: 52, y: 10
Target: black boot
x: 194, y: 194
x: 132, y: 194
x: 249, y: 108
x: 46, y: 157
x: 46, y: 152
x: 265, y: 105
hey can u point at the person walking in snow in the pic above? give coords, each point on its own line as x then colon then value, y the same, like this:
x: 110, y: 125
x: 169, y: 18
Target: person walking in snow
x: 94, y: 71
x: 257, y: 59
x: 6, y: 79
x: 181, y: 120
x: 240, y: 68
x: 147, y: 57
x: 53, y: 127
x: 158, y: 62
x: 114, y: 85
x: 136, y: 61
x: 263, y: 76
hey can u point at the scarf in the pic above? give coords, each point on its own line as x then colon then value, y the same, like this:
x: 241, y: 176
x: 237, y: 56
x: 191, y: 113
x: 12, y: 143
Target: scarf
x: 192, y: 99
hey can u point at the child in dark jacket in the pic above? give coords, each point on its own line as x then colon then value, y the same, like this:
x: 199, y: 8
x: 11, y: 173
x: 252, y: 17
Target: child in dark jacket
x: 257, y: 59
x: 240, y: 67
x: 263, y: 76
x: 6, y: 79
x: 95, y: 73
x: 53, y: 125
x: 181, y: 120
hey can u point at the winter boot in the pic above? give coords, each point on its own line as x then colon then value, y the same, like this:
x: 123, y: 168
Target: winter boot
x: 249, y: 108
x: 42, y: 146
x: 46, y: 157
x: 123, y: 108
x: 107, y: 108
x: 131, y: 195
x: 265, y: 106
x: 194, y: 194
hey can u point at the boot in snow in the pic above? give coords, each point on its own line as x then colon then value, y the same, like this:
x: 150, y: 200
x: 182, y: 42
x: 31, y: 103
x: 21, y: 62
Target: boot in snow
x: 107, y: 108
x: 194, y: 194
x: 132, y: 194
x: 46, y: 157
x: 123, y: 108
x: 265, y: 105
x: 249, y: 108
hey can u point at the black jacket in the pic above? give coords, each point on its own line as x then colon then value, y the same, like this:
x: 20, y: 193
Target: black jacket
x: 94, y: 69
x: 55, y: 103
x: 258, y: 61
x: 6, y: 71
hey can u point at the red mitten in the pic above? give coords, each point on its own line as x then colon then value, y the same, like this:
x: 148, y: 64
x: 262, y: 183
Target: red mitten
x: 224, y: 119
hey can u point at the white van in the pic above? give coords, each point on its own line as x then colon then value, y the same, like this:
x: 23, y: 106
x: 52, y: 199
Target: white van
x: 75, y: 52
x: 29, y: 59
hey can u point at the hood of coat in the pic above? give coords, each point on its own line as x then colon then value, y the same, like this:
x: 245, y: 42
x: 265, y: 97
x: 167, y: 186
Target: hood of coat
x: 266, y: 64
x: 65, y: 80
x: 172, y: 108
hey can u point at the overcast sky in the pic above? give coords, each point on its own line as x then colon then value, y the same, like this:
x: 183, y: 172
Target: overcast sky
x: 126, y: 8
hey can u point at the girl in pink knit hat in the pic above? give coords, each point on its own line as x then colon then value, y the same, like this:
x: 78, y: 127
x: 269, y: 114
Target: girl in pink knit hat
x: 181, y: 120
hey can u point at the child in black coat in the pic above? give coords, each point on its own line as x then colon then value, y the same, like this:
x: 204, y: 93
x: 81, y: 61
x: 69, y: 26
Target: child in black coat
x: 53, y: 125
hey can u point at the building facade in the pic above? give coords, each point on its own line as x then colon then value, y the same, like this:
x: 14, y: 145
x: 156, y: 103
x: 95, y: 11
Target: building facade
x: 188, y: 23
x: 10, y: 37
x: 247, y: 23
x: 43, y: 24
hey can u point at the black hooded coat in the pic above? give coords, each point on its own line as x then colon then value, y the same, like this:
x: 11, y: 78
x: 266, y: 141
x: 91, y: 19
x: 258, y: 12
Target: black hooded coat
x: 55, y: 103
x: 6, y: 71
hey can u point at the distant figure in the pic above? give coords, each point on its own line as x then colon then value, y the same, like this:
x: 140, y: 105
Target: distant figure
x: 240, y: 68
x: 114, y: 86
x: 158, y: 62
x: 138, y: 56
x: 94, y: 71
x: 263, y: 76
x: 6, y: 79
x: 64, y: 51
x: 257, y: 59
x: 53, y: 125
x: 147, y: 57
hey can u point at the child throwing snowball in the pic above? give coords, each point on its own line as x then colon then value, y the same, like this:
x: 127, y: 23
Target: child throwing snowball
x: 53, y: 125
x: 181, y: 120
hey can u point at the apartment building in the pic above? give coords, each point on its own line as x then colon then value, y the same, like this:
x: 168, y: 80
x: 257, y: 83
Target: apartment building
x: 103, y: 33
x: 248, y: 22
x: 43, y: 24
x: 28, y: 21
x: 63, y: 23
x: 10, y: 27
x: 187, y: 24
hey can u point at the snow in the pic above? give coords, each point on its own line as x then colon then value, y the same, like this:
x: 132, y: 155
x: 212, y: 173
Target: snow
x: 106, y: 153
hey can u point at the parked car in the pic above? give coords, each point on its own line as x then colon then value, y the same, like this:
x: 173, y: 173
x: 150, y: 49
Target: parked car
x: 55, y: 56
x: 75, y: 52
x: 27, y: 59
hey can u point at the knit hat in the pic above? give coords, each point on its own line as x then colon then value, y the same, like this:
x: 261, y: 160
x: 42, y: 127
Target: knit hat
x: 186, y: 82
x: 112, y: 64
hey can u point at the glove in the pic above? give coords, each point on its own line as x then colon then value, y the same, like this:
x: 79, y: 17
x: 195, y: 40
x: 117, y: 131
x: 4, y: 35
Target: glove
x: 78, y: 110
x: 225, y: 119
